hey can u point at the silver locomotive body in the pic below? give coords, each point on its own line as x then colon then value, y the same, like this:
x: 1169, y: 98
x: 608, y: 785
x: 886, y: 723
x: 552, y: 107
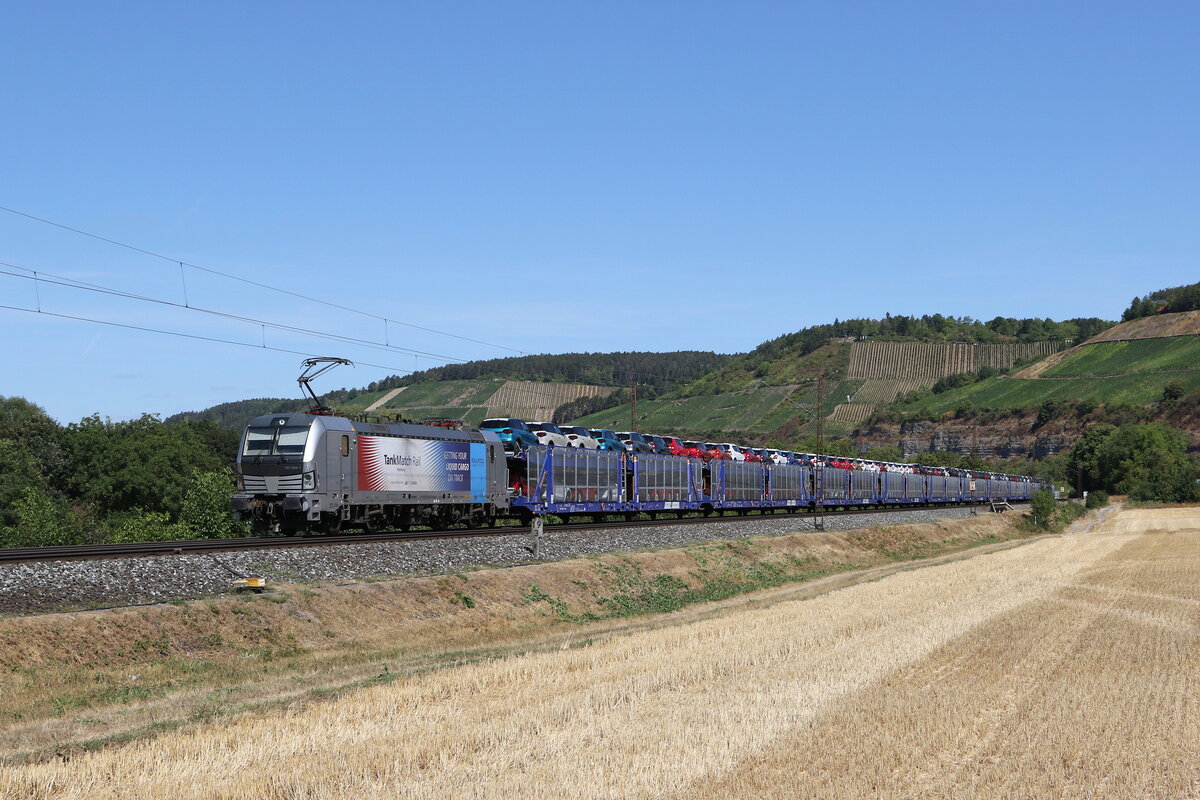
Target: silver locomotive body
x: 299, y: 472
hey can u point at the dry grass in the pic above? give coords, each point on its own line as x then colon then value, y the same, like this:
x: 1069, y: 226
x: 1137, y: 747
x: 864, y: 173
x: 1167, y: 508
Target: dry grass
x: 67, y: 679
x: 1065, y: 668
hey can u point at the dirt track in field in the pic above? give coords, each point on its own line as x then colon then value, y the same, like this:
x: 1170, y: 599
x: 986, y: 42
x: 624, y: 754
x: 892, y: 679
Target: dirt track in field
x: 1068, y: 667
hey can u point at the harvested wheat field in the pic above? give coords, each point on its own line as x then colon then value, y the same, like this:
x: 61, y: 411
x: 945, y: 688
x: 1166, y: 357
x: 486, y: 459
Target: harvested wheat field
x: 1067, y: 667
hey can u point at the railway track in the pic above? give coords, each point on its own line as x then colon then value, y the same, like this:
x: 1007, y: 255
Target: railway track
x: 131, y: 549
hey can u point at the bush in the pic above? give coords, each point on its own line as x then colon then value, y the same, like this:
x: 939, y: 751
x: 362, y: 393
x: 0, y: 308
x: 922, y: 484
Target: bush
x: 40, y: 522
x: 1047, y: 515
x: 1047, y: 411
x: 1171, y: 393
x: 206, y: 512
x: 1097, y: 499
x: 1041, y: 508
x: 146, y: 526
x: 1065, y: 515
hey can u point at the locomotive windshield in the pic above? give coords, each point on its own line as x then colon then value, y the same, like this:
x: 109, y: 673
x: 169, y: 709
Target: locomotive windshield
x: 276, y: 441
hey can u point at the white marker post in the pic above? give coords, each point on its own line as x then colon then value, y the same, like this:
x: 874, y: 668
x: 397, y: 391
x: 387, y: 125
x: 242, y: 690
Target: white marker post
x: 537, y: 526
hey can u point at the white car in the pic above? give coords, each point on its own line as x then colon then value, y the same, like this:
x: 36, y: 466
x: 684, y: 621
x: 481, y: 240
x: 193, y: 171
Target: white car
x: 579, y: 436
x: 773, y: 456
x: 548, y: 434
x: 736, y: 451
x: 776, y: 456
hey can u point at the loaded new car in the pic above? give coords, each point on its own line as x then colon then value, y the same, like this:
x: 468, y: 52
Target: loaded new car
x: 548, y: 434
x: 514, y: 433
x: 635, y: 442
x: 608, y: 440
x: 579, y: 436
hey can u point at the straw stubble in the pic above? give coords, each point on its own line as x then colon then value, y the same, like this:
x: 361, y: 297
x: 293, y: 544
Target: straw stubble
x: 1067, y: 667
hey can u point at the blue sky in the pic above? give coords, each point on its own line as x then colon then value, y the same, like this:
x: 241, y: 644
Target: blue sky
x: 556, y: 177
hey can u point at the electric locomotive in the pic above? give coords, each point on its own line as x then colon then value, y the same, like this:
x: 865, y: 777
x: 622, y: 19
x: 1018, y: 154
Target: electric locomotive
x: 314, y: 472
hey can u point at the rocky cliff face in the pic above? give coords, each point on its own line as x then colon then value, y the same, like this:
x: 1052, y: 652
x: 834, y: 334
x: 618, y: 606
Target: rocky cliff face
x: 1007, y: 438
x: 1013, y: 436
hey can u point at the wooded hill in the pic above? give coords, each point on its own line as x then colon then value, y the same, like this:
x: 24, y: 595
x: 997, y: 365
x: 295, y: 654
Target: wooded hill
x: 532, y: 387
x: 537, y: 386
x: 1165, y: 301
x: 895, y: 368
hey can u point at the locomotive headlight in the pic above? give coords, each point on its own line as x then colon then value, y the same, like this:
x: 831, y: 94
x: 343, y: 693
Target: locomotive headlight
x: 310, y: 480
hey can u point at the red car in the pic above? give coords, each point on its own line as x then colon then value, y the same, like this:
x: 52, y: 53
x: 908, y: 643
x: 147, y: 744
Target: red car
x: 676, y: 447
x: 708, y: 451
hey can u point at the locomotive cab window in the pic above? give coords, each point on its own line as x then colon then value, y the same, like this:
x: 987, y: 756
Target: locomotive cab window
x: 281, y: 441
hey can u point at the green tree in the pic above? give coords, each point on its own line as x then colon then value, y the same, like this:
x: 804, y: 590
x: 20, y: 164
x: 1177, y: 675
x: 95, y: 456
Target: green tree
x: 889, y: 453
x: 1041, y: 508
x: 939, y: 458
x: 40, y: 522
x: 843, y: 447
x: 19, y: 473
x: 206, y: 512
x: 1146, y: 462
x: 1172, y: 392
x: 1047, y: 411
x: 1083, y: 468
x: 32, y: 430
x: 138, y: 464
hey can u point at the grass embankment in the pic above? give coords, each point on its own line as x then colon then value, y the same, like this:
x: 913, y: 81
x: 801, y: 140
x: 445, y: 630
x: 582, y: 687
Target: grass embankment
x: 87, y: 678
x: 1065, y: 668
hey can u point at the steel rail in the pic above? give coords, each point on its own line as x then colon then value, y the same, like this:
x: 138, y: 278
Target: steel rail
x: 130, y: 549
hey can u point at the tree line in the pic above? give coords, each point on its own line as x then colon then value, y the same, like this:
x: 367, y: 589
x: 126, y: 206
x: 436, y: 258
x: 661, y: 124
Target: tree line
x: 1145, y: 461
x: 102, y: 481
x: 935, y: 327
x: 660, y: 370
x: 1164, y: 301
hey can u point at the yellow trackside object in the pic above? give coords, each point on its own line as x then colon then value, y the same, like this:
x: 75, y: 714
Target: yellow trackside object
x: 250, y: 584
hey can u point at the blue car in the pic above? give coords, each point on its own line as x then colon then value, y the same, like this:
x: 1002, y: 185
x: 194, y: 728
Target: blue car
x: 608, y: 440
x: 514, y: 433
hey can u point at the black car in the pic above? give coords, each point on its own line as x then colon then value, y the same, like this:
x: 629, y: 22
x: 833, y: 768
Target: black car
x: 658, y: 443
x: 635, y: 442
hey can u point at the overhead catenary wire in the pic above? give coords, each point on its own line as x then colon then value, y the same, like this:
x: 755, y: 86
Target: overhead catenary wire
x: 182, y: 335
x: 53, y: 279
x: 247, y: 281
x: 71, y: 283
x: 218, y: 340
